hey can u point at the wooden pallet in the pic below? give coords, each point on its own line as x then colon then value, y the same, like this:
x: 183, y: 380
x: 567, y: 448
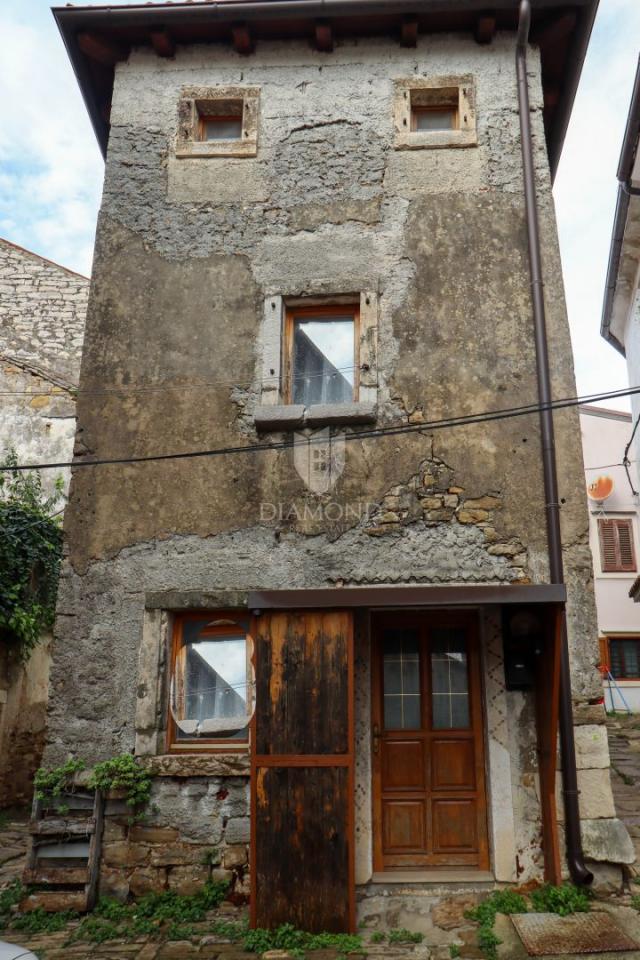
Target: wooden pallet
x: 65, y: 883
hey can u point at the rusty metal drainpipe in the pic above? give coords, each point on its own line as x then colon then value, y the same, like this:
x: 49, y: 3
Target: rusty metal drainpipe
x: 575, y: 857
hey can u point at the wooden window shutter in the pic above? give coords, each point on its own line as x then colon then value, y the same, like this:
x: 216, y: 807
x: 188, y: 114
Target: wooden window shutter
x: 616, y: 546
x: 605, y: 659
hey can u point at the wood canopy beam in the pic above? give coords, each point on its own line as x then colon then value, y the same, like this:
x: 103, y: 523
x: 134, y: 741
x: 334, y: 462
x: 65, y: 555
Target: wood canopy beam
x: 243, y: 42
x: 547, y: 721
x: 409, y: 31
x: 99, y: 48
x: 323, y: 36
x: 554, y: 31
x: 485, y: 28
x: 163, y: 43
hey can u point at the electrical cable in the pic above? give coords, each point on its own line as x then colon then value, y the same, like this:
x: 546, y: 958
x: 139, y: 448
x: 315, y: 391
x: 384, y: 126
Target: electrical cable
x: 426, y: 426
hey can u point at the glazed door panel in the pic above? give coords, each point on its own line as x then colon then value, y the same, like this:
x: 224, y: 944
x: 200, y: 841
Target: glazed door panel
x: 302, y: 807
x: 428, y: 757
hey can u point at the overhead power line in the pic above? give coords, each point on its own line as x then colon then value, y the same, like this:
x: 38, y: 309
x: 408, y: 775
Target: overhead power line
x: 486, y: 416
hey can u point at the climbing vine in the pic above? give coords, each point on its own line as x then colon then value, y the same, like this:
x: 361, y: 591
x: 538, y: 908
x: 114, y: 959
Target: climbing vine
x: 30, y: 554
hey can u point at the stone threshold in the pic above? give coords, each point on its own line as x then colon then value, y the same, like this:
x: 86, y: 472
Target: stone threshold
x: 435, y: 876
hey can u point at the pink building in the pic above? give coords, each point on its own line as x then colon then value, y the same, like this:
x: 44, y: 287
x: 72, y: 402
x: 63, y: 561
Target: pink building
x: 614, y: 536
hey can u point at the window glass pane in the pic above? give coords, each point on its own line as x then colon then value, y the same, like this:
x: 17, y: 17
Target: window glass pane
x: 625, y: 659
x: 449, y: 679
x: 222, y: 128
x: 443, y: 119
x: 209, y: 688
x: 401, y: 680
x: 323, y: 360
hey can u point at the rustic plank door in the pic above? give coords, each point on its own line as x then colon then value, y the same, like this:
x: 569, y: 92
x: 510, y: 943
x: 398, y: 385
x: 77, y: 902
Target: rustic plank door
x: 302, y: 807
x: 428, y: 757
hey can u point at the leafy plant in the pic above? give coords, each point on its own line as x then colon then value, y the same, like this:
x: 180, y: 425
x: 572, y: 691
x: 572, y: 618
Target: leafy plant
x: 123, y: 773
x: 9, y: 897
x: 287, y: 937
x: 500, y: 901
x: 405, y: 936
x: 378, y: 937
x: 30, y: 556
x: 562, y: 900
x: 454, y: 951
x: 51, y: 784
x: 40, y: 921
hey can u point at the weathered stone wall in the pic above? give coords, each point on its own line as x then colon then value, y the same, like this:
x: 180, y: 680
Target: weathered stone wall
x: 42, y: 314
x: 198, y: 829
x: 189, y: 251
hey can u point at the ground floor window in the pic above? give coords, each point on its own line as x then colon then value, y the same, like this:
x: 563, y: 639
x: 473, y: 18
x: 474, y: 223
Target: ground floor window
x: 624, y: 658
x: 211, y: 686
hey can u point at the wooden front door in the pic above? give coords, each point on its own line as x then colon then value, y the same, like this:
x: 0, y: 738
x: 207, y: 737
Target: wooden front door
x: 302, y: 807
x: 428, y: 756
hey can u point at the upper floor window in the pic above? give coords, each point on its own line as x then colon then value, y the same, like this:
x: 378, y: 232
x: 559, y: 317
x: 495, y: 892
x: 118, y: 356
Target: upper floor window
x: 218, y: 122
x: 211, y: 691
x: 617, y: 553
x: 322, y: 355
x: 434, y: 112
x: 624, y: 658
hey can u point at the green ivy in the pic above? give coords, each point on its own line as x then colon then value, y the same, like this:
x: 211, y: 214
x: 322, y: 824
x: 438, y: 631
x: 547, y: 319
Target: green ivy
x: 30, y: 556
x: 123, y: 773
x: 118, y: 773
x: 501, y: 901
x: 405, y: 936
x: 562, y: 900
x: 9, y: 897
x: 287, y: 937
x: 41, y: 921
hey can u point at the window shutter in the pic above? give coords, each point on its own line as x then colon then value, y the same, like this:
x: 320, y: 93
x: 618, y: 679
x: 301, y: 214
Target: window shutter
x: 625, y: 544
x: 617, y: 554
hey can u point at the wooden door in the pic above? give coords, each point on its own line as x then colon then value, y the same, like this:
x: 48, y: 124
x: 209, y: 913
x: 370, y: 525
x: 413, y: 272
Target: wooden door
x: 302, y: 808
x: 428, y: 756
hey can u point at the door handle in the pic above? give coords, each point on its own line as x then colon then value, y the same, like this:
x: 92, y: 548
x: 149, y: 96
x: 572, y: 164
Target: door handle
x: 376, y: 738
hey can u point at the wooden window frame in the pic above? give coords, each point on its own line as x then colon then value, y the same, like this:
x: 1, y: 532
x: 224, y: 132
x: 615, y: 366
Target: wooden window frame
x: 609, y: 641
x: 434, y: 108
x: 616, y: 565
x: 210, y: 744
x: 325, y: 311
x: 204, y: 118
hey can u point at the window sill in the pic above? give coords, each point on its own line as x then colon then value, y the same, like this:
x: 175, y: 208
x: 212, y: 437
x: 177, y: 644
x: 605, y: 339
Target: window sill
x: 200, y: 764
x: 436, y: 139
x: 215, y: 148
x: 295, y: 417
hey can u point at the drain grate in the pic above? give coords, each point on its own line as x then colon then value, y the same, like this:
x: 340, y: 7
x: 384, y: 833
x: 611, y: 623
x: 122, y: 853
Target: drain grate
x: 546, y: 934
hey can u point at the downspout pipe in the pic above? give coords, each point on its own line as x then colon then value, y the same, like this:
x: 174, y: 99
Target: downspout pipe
x: 575, y: 857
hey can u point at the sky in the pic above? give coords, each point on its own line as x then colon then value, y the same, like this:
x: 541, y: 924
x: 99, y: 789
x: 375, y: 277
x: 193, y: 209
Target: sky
x: 51, y: 169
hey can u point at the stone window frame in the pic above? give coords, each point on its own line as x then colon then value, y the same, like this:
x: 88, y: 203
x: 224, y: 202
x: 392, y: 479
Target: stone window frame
x: 273, y: 412
x: 196, y: 102
x: 406, y: 90
x: 154, y: 673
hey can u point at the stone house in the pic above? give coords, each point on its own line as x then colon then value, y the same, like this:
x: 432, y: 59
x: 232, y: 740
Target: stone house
x: 42, y: 314
x: 614, y: 534
x: 325, y: 617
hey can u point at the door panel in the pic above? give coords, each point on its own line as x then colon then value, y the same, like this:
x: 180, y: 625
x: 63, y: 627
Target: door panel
x: 454, y: 826
x: 404, y: 826
x: 403, y: 765
x: 428, y: 757
x: 452, y: 764
x: 302, y: 805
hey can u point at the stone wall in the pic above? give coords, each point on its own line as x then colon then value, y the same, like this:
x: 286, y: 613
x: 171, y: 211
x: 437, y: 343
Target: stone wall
x: 42, y: 314
x: 191, y: 254
x: 198, y: 829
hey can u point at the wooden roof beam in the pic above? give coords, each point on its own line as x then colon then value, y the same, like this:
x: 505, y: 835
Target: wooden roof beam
x: 554, y: 31
x: 409, y: 31
x: 98, y: 47
x: 324, y: 36
x: 243, y: 42
x: 485, y: 28
x: 163, y: 43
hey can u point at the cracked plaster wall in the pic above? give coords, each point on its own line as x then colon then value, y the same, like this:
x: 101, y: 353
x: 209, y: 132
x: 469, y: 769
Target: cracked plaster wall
x: 188, y: 249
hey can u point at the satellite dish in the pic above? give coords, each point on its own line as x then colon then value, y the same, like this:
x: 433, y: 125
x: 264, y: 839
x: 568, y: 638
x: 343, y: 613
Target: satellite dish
x: 600, y: 488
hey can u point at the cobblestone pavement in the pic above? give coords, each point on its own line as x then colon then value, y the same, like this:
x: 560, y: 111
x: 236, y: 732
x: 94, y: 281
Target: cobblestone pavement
x: 624, y: 747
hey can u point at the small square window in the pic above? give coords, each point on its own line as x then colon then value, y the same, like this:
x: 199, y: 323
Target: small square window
x: 624, y: 657
x: 218, y: 122
x: 321, y: 349
x: 434, y: 112
x: 224, y: 124
x: 211, y: 694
